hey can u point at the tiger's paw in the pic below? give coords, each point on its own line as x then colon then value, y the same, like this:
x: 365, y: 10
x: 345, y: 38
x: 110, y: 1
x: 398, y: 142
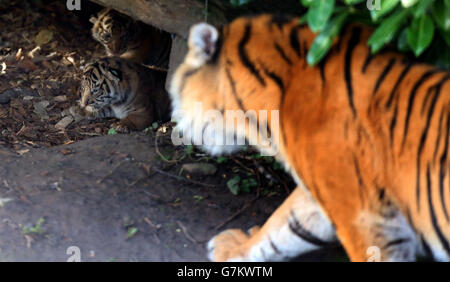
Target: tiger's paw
x: 121, y: 128
x: 230, y: 245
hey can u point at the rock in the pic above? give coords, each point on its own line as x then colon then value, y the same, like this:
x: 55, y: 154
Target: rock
x: 61, y: 98
x: 4, y: 99
x: 40, y: 109
x: 7, y: 95
x: 200, y: 169
x: 63, y: 123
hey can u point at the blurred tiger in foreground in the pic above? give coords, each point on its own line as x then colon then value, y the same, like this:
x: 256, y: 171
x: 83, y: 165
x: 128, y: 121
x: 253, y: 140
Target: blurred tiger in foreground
x: 117, y: 88
x: 132, y: 40
x: 366, y: 137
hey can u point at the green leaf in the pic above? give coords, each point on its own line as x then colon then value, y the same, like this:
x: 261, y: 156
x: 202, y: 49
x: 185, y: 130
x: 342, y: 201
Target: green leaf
x: 221, y: 160
x: 189, y: 150
x: 386, y: 7
x: 322, y: 43
x: 307, y: 3
x: 447, y: 3
x: 319, y: 13
x: 247, y: 184
x: 409, y: 3
x: 277, y: 166
x: 420, y: 34
x: 441, y: 14
x: 233, y: 185
x: 402, y: 42
x: 421, y: 7
x: 112, y: 131
x: 386, y: 31
x: 131, y: 232
x: 351, y: 2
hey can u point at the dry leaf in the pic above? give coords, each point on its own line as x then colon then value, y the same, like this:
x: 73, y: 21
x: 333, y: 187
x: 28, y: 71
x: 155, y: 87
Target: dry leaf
x: 43, y: 37
x: 23, y: 152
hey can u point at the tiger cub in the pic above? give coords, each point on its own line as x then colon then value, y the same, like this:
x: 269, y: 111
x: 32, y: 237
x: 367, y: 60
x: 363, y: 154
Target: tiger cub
x: 117, y: 88
x: 132, y: 40
x: 366, y: 137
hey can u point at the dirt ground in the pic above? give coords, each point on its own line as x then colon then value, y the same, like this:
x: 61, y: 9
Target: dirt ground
x: 115, y: 197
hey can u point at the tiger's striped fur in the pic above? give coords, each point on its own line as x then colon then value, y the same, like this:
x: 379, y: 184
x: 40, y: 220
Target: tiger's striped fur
x: 117, y: 88
x: 365, y: 136
x: 132, y: 40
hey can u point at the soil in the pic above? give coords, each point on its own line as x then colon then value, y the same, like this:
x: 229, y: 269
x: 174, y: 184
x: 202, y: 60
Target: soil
x: 115, y: 197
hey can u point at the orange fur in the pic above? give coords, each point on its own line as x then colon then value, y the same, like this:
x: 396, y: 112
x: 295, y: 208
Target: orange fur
x: 367, y: 136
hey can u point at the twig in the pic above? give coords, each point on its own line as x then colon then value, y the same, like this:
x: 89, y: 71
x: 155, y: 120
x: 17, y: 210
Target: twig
x: 110, y: 173
x: 182, y: 178
x: 186, y: 233
x: 159, y: 153
x: 241, y: 210
x: 242, y: 165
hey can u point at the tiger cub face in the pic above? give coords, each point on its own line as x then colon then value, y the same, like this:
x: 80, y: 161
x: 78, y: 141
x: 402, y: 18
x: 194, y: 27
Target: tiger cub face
x: 132, y: 40
x: 115, y: 31
x: 117, y: 88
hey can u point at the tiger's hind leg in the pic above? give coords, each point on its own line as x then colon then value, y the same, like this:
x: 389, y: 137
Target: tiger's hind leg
x: 374, y: 232
x: 389, y: 238
x: 296, y: 227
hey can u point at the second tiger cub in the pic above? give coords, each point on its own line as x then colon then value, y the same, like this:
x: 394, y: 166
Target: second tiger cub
x: 132, y: 40
x: 117, y: 88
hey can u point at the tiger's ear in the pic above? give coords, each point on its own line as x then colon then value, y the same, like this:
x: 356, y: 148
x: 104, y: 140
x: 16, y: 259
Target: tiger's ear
x: 93, y: 19
x: 202, y: 40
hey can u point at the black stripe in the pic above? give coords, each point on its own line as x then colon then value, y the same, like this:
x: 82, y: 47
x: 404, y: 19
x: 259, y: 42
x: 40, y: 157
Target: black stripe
x: 321, y: 66
x: 397, y: 84
x: 427, y: 97
x: 302, y: 232
x: 186, y: 75
x: 294, y: 41
x: 444, y: 169
x: 426, y: 247
x: 276, y: 79
x: 396, y: 242
x: 354, y: 40
x: 383, y: 75
x: 244, y: 56
x: 393, y: 122
x: 341, y: 37
x: 367, y: 61
x: 434, y: 220
x: 280, y: 20
x: 361, y: 185
x: 411, y: 99
x: 305, y: 48
x: 282, y: 54
x: 274, y: 247
x: 425, y: 134
x: 439, y: 134
x: 233, y: 89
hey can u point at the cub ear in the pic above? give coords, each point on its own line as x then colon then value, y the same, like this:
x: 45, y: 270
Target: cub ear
x: 203, y: 39
x: 93, y: 19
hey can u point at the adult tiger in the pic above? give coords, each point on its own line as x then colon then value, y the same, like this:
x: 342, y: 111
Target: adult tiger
x: 365, y: 137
